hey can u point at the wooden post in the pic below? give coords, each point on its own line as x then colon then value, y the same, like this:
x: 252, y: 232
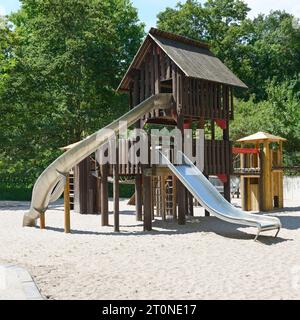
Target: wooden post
x: 104, y: 195
x: 180, y: 187
x: 42, y: 221
x: 139, y: 197
x: 98, y: 193
x: 280, y: 177
x: 227, y: 194
x: 206, y: 212
x: 266, y: 179
x: 243, y: 185
x: 67, y: 205
x: 116, y: 193
x: 147, y: 203
x: 191, y: 204
x: 201, y: 125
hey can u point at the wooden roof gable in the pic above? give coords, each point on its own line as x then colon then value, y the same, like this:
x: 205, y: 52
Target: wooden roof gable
x: 193, y: 57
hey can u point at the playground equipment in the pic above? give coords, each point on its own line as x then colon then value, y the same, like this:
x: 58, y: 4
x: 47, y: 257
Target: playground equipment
x: 261, y: 171
x: 45, y: 188
x: 172, y: 81
x: 214, y: 202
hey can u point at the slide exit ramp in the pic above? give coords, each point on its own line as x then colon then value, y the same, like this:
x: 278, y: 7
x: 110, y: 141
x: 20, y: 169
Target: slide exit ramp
x: 209, y: 197
x: 50, y: 184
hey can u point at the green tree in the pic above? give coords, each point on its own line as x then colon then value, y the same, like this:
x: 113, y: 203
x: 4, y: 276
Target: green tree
x: 270, y: 51
x: 69, y: 57
x: 278, y: 114
x: 259, y: 50
x: 216, y: 21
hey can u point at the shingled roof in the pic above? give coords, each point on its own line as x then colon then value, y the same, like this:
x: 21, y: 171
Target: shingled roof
x: 193, y: 57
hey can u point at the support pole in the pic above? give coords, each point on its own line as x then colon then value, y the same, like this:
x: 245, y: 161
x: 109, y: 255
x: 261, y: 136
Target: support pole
x: 280, y: 177
x: 116, y: 193
x: 182, y: 207
x: 139, y: 197
x: 42, y: 221
x: 104, y: 195
x: 243, y: 184
x: 98, y: 193
x: 266, y: 176
x: 191, y: 204
x: 227, y: 194
x: 67, y: 205
x: 206, y: 212
x: 147, y: 203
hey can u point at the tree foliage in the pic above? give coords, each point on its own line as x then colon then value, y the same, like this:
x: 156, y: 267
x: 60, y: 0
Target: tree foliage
x: 60, y: 62
x: 278, y: 114
x: 264, y: 52
x: 69, y: 56
x: 259, y: 50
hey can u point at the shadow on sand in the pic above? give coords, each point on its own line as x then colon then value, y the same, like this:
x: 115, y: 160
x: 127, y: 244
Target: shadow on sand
x: 193, y: 225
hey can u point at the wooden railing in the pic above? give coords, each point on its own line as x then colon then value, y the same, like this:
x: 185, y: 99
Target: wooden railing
x: 217, y: 158
x: 206, y: 99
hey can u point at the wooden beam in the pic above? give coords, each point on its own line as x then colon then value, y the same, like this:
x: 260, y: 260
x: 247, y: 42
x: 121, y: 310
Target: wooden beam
x: 244, y: 190
x: 116, y: 193
x: 190, y: 203
x: 228, y: 156
x: 180, y: 187
x: 280, y: 177
x: 42, y: 221
x: 104, y: 195
x: 266, y: 176
x: 139, y: 197
x: 67, y: 216
x: 206, y: 212
x: 147, y: 203
x: 98, y: 193
x: 156, y: 70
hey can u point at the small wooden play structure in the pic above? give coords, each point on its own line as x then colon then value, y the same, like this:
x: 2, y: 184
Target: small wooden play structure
x: 261, y: 171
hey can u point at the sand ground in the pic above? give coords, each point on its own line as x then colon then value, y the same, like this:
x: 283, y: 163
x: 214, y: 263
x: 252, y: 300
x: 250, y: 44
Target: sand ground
x: 205, y: 259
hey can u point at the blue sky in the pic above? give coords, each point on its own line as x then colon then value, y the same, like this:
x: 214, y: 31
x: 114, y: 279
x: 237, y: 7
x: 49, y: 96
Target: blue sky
x: 148, y: 9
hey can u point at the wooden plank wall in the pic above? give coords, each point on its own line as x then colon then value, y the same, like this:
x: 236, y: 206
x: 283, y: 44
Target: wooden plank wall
x: 85, y: 188
x: 207, y: 99
x: 217, y: 157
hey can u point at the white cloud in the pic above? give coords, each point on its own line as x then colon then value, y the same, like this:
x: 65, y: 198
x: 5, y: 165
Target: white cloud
x: 265, y: 6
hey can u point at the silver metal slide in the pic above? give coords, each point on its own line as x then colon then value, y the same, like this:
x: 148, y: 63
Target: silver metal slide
x: 50, y: 184
x: 213, y: 201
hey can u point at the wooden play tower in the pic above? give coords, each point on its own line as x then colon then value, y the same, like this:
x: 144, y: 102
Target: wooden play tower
x: 261, y: 171
x: 202, y: 97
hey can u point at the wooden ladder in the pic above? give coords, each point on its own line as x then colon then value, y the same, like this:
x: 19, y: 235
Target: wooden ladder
x: 164, y: 196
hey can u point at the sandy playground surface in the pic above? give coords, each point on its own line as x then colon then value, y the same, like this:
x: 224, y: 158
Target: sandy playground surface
x: 205, y: 259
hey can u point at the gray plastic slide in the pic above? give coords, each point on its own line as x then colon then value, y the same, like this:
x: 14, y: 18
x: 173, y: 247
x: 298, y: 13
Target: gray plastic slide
x: 213, y: 201
x: 50, y: 183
